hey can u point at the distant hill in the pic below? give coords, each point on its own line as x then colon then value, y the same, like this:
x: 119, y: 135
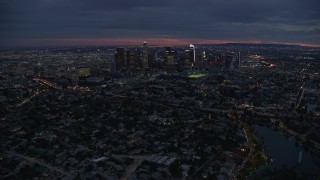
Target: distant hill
x: 253, y: 45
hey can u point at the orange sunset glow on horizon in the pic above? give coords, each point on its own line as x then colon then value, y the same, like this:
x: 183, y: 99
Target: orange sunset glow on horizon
x: 133, y: 41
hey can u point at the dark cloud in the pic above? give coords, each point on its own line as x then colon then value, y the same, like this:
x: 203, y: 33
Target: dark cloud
x: 266, y: 20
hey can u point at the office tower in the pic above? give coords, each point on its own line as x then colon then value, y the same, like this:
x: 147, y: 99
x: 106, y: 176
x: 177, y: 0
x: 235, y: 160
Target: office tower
x: 133, y: 57
x: 204, y: 60
x: 145, y: 56
x: 166, y: 52
x: 193, y: 48
x: 157, y: 60
x: 190, y: 56
x: 228, y: 61
x: 138, y: 58
x: 120, y: 58
x: 198, y: 61
x: 239, y: 59
x: 203, y: 56
x: 172, y: 62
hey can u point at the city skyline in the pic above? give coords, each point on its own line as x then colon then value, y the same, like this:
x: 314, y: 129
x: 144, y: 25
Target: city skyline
x: 74, y: 23
x: 232, y: 111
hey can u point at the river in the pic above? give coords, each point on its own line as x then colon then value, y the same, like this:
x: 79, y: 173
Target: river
x: 285, y: 151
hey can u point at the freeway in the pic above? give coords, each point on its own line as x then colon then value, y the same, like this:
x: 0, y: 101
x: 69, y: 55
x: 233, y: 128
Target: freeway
x: 209, y: 110
x: 46, y: 82
x: 29, y: 98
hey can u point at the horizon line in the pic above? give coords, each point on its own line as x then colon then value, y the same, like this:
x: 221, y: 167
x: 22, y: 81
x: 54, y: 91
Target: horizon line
x: 134, y: 41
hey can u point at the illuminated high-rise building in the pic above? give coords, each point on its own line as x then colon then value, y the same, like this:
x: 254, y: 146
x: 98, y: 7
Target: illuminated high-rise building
x: 198, y: 61
x: 193, y: 48
x: 190, y: 56
x: 239, y: 59
x: 203, y: 55
x: 228, y: 59
x: 134, y: 58
x: 172, y: 62
x: 120, y: 59
x: 204, y: 60
x: 166, y: 52
x: 145, y: 56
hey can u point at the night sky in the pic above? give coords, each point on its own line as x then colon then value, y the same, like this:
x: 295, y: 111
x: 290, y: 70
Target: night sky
x: 106, y: 22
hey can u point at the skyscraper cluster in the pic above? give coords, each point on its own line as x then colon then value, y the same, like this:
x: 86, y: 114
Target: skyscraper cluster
x: 170, y: 59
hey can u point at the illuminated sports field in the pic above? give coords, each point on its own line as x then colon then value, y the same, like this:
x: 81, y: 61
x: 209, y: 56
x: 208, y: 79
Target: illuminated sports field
x: 197, y: 75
